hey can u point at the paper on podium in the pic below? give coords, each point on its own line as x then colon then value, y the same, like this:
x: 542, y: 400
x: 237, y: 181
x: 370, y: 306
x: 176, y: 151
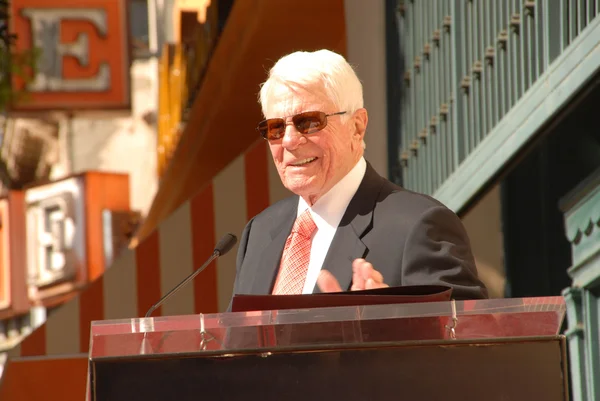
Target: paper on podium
x: 380, y: 296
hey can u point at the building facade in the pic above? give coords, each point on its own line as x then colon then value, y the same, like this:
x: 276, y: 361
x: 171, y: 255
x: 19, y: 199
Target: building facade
x: 487, y: 107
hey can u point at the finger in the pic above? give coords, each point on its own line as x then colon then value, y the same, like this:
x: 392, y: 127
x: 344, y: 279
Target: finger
x: 358, y: 282
x: 367, y: 271
x: 361, y: 267
x: 376, y: 276
x: 356, y: 263
x: 327, y: 282
x: 371, y: 284
x: 365, y: 276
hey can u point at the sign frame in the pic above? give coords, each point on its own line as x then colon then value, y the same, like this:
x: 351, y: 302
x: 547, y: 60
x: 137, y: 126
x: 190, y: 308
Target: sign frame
x: 92, y: 46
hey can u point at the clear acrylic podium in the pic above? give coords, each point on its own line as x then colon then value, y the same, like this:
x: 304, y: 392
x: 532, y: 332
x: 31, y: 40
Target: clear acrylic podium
x: 505, y: 349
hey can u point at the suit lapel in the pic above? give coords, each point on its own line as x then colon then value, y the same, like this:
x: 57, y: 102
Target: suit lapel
x: 345, y: 247
x: 347, y: 242
x: 266, y: 271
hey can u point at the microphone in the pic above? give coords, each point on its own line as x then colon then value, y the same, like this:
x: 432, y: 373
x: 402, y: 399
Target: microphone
x: 222, y: 247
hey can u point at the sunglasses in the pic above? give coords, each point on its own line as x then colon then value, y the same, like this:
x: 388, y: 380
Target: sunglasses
x: 306, y: 123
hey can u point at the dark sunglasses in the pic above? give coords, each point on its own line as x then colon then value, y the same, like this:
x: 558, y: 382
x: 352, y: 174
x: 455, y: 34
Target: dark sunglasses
x: 306, y: 123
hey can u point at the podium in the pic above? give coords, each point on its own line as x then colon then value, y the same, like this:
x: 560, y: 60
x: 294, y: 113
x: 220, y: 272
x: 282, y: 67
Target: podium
x: 500, y: 349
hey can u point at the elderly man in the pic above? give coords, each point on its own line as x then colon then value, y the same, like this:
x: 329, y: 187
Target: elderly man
x: 346, y: 228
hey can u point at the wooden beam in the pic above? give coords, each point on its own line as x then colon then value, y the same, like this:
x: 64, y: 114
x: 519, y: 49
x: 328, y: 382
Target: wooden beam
x: 225, y: 112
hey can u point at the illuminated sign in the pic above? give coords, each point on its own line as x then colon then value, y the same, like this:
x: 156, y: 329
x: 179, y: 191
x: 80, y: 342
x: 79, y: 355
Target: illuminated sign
x: 75, y: 227
x: 55, y: 236
x: 84, y: 53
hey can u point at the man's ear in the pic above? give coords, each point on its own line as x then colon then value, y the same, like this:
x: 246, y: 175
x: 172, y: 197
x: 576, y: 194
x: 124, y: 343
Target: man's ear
x: 360, y: 120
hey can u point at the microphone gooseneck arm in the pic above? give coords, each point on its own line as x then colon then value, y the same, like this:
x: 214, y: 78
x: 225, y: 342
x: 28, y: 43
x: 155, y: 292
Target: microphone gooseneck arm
x: 222, y: 247
x: 184, y: 282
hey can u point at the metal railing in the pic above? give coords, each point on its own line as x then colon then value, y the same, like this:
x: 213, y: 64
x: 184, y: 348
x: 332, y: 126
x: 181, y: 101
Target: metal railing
x: 468, y: 63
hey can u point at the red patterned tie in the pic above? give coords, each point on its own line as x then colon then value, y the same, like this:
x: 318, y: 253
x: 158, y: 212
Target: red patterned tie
x: 296, y: 256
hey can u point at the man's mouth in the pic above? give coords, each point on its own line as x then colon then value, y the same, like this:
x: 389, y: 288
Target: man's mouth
x: 303, y: 162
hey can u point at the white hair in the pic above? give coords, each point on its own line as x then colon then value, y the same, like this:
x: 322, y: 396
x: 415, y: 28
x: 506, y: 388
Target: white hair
x: 322, y: 67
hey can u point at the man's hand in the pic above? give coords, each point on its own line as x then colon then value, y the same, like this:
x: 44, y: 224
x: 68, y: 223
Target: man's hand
x: 364, y: 277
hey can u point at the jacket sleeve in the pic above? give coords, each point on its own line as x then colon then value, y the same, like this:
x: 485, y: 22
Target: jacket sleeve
x: 437, y: 251
x: 240, y: 259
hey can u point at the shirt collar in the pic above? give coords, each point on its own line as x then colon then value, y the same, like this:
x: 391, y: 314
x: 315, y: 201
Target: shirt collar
x: 327, y: 212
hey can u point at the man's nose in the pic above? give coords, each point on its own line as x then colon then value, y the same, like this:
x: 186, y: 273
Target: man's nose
x: 292, y: 138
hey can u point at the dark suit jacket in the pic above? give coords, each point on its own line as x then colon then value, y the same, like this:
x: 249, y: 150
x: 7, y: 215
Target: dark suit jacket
x: 410, y: 238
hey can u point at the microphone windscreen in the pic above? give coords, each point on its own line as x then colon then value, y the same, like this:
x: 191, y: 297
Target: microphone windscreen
x: 225, y: 244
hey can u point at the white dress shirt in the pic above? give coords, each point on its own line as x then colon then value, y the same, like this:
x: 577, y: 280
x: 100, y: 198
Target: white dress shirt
x: 327, y: 213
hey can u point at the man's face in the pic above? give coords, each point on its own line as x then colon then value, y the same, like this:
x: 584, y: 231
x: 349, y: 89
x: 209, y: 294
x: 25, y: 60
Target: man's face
x: 310, y: 165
